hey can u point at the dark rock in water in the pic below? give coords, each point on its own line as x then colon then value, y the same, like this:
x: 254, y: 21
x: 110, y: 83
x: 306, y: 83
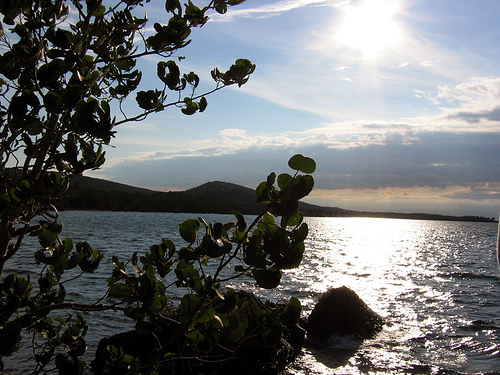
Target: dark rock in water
x: 341, y: 312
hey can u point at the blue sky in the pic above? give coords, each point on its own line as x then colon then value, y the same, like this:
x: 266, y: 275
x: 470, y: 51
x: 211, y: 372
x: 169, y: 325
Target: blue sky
x: 397, y: 101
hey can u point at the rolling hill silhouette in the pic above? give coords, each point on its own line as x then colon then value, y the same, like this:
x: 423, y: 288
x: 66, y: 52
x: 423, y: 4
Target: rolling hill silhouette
x: 87, y: 193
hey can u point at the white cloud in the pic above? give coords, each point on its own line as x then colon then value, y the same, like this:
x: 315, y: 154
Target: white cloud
x: 428, y: 63
x: 480, y: 93
x: 473, y: 112
x: 341, y: 68
x: 474, y: 102
x: 231, y: 134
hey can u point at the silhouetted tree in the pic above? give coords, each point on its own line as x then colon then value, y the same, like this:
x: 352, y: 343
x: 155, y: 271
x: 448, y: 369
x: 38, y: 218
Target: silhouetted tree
x: 62, y: 75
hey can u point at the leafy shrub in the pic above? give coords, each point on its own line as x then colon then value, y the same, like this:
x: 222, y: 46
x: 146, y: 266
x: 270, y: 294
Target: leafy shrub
x: 62, y: 75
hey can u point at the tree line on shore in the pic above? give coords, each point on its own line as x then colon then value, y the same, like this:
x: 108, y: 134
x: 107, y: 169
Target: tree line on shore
x: 218, y: 197
x: 86, y: 198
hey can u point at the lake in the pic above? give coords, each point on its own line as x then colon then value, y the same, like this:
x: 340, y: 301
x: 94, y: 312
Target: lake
x: 435, y: 283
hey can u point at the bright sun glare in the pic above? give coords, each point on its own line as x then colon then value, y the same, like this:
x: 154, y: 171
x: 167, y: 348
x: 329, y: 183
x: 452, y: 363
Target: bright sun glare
x: 370, y: 28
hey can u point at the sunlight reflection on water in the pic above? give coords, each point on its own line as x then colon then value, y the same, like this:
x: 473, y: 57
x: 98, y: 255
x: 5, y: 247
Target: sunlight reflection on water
x: 415, y: 275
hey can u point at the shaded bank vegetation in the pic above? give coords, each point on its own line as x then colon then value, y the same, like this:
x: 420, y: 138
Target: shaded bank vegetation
x: 87, y: 193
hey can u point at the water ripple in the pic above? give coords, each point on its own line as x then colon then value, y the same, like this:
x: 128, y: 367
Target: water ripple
x: 435, y: 283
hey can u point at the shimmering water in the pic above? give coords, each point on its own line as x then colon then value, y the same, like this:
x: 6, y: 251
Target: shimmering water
x: 435, y: 283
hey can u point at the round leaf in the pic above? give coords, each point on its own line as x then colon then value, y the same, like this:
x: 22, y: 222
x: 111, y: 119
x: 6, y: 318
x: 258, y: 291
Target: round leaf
x: 267, y: 278
x: 188, y: 230
x: 302, y: 163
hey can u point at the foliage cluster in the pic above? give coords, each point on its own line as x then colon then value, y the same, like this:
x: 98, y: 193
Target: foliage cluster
x: 62, y: 75
x: 59, y: 86
x: 211, y: 323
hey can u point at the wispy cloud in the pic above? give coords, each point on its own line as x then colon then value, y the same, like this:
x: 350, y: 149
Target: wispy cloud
x: 342, y: 68
x: 271, y: 10
x: 228, y: 142
x: 428, y: 63
x: 462, y: 108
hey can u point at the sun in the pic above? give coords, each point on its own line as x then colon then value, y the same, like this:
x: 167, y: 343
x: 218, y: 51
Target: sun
x: 370, y: 27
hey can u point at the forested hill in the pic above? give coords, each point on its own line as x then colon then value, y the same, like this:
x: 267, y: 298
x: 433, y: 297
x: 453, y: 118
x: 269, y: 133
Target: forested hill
x: 224, y: 191
x: 88, y: 193
x: 105, y: 185
x: 236, y: 193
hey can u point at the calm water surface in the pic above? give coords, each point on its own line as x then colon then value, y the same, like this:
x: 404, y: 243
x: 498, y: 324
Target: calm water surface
x: 435, y: 283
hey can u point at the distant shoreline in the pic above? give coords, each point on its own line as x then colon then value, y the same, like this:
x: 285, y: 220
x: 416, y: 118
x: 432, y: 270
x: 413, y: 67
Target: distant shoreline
x: 368, y: 215
x: 91, y: 194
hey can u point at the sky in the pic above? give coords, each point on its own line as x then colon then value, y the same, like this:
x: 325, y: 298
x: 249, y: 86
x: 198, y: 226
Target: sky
x: 398, y: 101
